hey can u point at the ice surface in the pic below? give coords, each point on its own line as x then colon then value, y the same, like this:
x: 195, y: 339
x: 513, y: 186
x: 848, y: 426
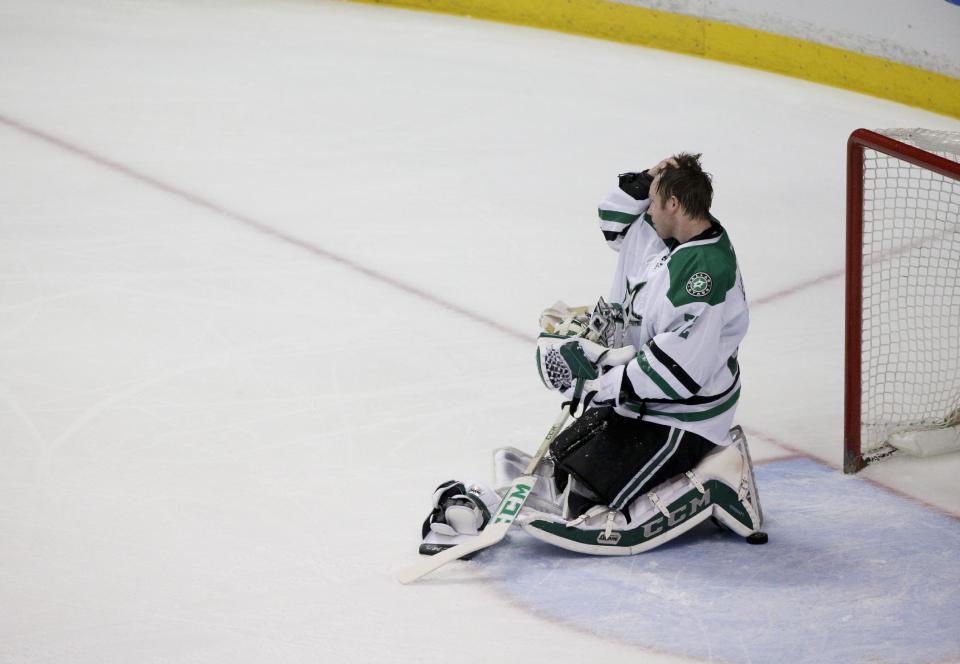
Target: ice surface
x: 267, y: 272
x: 828, y: 587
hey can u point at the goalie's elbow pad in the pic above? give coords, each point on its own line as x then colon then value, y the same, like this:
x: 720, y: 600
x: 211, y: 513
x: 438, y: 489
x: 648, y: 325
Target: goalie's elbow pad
x: 636, y: 185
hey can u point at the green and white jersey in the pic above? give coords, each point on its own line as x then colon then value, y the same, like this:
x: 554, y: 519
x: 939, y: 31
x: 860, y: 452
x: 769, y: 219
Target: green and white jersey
x: 686, y: 313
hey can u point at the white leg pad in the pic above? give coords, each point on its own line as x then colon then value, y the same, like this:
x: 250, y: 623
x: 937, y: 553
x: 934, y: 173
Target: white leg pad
x: 509, y: 463
x: 722, y: 485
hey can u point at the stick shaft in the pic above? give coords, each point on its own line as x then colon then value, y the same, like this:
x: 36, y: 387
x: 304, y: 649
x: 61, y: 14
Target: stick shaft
x: 545, y: 445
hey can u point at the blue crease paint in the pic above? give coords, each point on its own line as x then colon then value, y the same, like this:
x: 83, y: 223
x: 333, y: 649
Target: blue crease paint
x: 851, y: 573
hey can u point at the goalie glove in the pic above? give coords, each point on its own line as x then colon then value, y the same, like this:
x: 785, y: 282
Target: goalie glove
x: 606, y: 324
x: 581, y: 370
x: 460, y: 509
x: 636, y: 185
x: 563, y: 320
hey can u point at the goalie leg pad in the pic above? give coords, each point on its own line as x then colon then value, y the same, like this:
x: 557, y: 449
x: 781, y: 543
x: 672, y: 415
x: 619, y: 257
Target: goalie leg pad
x: 721, y: 486
x: 747, y: 490
x: 672, y: 509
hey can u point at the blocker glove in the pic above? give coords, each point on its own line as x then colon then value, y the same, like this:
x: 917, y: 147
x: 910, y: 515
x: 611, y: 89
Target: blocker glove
x: 636, y: 185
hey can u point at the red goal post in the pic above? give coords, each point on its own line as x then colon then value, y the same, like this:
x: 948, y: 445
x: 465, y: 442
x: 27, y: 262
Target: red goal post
x: 902, y: 289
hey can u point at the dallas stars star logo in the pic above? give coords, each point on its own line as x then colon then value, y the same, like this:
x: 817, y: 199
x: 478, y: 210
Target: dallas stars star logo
x: 699, y: 284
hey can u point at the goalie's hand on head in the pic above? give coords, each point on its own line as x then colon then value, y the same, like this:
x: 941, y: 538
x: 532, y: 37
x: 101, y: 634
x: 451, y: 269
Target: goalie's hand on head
x: 655, y: 171
x: 636, y: 185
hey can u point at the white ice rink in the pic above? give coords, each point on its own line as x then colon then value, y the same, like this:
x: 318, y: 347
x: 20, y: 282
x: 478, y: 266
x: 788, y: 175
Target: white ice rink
x: 270, y: 271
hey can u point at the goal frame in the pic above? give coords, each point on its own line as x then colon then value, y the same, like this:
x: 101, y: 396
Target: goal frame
x: 859, y: 141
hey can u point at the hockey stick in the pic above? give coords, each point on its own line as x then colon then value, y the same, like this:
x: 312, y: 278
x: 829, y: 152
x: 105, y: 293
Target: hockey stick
x: 502, y: 519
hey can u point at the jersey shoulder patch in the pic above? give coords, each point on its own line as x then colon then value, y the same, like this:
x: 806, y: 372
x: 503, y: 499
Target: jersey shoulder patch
x: 702, y: 272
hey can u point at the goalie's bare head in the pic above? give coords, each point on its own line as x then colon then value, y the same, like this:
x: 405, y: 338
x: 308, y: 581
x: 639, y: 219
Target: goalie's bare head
x: 681, y: 195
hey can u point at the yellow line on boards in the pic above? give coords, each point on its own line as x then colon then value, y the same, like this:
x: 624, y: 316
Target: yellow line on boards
x: 717, y: 41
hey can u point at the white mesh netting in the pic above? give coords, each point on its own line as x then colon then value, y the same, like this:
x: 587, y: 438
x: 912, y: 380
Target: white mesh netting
x: 911, y: 291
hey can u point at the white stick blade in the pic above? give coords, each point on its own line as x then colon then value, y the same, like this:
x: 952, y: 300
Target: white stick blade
x: 429, y: 563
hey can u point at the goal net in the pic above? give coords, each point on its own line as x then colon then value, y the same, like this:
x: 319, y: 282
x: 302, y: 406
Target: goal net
x: 903, y: 294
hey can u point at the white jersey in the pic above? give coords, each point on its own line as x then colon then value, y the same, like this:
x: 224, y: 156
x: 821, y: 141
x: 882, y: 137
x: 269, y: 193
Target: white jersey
x: 685, y: 313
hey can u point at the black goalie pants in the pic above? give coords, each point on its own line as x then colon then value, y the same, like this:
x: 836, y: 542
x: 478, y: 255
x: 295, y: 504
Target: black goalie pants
x: 618, y: 459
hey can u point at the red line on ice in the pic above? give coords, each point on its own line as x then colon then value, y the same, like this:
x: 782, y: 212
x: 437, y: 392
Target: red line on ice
x: 263, y: 227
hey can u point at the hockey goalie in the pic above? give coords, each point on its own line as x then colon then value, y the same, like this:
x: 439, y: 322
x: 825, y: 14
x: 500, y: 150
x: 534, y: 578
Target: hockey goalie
x: 652, y: 371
